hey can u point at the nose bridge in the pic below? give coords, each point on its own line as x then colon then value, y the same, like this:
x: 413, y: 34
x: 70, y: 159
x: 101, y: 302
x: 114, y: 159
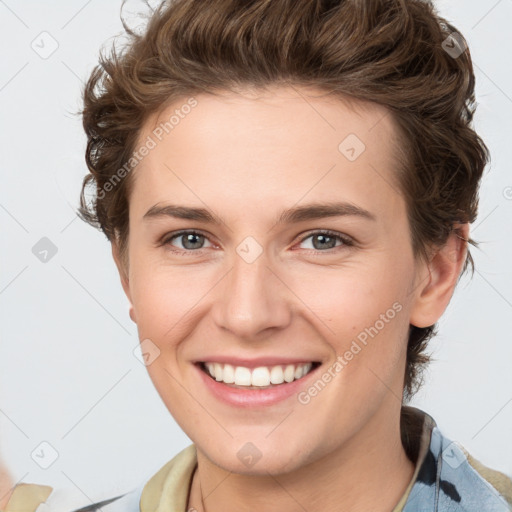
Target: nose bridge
x: 252, y: 298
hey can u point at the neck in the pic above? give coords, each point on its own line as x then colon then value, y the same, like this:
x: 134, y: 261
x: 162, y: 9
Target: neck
x: 371, y: 471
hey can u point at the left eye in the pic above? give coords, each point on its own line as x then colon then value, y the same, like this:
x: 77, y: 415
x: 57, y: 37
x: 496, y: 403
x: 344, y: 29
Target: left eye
x: 326, y: 240
x: 190, y: 240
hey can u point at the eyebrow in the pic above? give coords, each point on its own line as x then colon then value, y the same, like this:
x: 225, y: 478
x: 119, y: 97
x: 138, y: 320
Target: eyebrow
x: 293, y: 215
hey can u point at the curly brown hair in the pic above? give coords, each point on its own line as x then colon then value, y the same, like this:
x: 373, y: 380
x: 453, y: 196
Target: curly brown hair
x: 397, y: 53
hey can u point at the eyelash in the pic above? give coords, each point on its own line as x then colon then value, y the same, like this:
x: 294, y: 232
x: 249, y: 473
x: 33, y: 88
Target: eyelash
x: 347, y: 241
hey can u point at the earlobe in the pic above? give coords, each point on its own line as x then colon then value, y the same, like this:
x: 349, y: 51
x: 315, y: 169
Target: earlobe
x: 437, y: 280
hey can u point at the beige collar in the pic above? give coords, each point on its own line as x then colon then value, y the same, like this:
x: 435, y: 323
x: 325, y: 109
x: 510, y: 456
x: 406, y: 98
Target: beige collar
x: 169, y: 488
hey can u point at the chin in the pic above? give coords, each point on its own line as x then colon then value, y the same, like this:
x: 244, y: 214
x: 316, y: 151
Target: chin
x: 256, y: 458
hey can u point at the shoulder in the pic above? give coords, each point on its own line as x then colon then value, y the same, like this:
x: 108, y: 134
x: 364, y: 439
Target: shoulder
x: 167, y: 489
x: 496, y: 479
x: 27, y: 497
x: 41, y: 498
x: 129, y: 502
x: 459, y: 482
x: 469, y: 482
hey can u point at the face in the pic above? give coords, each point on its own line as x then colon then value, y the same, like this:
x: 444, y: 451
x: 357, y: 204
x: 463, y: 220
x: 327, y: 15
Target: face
x: 304, y: 261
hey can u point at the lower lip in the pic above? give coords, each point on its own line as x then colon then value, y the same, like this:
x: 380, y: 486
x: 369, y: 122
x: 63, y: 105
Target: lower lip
x: 253, y: 397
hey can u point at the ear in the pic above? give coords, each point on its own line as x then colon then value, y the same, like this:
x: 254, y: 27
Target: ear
x: 122, y: 268
x: 436, y: 280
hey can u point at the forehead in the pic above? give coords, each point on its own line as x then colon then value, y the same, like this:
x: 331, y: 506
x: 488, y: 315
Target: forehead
x: 274, y: 146
x: 298, y: 113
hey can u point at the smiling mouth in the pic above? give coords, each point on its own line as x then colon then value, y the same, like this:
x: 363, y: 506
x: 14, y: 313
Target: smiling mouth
x: 262, y: 377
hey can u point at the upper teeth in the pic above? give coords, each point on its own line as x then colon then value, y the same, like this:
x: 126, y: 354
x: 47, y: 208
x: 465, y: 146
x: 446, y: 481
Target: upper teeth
x: 260, y: 376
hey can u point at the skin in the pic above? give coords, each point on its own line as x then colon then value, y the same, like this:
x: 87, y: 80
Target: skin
x: 247, y: 157
x: 5, y: 486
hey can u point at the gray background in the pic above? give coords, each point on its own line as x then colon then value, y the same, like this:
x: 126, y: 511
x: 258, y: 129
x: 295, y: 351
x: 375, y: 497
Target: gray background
x: 68, y: 374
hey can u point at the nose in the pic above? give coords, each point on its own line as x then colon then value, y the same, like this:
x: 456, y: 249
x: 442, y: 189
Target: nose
x: 252, y: 299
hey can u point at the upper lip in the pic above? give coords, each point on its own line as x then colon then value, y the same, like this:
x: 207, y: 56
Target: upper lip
x: 257, y: 361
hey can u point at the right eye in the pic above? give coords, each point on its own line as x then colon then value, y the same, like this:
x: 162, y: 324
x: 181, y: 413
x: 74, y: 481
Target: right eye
x: 189, y: 239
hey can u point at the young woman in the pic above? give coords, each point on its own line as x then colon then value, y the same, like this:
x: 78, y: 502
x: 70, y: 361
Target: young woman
x: 287, y: 186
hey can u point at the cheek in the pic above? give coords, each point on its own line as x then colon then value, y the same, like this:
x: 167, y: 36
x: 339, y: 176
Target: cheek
x: 361, y: 310
x: 167, y: 299
x: 353, y: 295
